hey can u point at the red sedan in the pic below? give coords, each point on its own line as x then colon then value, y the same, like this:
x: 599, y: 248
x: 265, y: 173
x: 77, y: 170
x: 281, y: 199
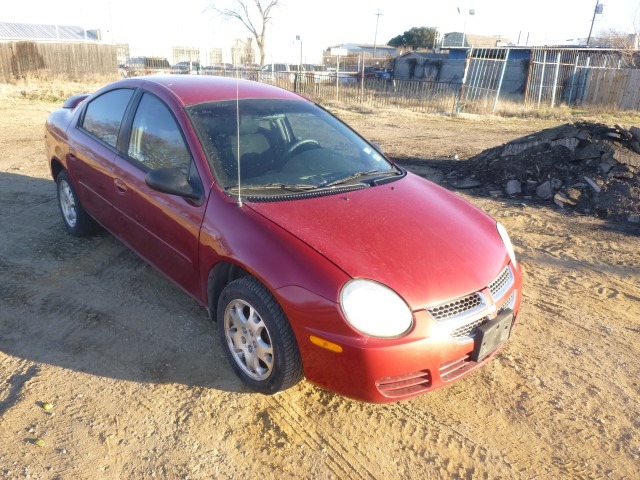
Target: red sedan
x: 316, y: 255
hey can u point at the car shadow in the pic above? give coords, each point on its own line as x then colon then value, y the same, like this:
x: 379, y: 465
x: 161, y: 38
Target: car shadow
x: 91, y: 305
x: 436, y: 170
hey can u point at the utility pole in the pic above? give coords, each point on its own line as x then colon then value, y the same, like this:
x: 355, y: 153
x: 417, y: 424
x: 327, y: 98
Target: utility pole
x: 596, y: 10
x: 464, y: 31
x: 375, y: 38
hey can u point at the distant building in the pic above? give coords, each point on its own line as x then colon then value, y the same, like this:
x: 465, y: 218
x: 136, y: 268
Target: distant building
x: 243, y: 51
x: 360, y: 55
x: 185, y: 54
x: 122, y: 53
x: 366, y: 50
x: 448, y: 66
x: 12, y: 32
x: 461, y: 39
x: 215, y: 56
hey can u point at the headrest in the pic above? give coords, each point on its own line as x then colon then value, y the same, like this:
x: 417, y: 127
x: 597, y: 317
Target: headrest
x: 248, y: 126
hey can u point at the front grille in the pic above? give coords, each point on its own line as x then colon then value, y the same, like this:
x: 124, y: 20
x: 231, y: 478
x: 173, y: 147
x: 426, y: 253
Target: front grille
x: 499, y: 286
x: 403, y: 385
x: 509, y: 303
x: 461, y: 317
x: 458, y: 307
x: 467, y: 330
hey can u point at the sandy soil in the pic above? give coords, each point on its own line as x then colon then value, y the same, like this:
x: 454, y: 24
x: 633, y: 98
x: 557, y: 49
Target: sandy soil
x: 140, y: 387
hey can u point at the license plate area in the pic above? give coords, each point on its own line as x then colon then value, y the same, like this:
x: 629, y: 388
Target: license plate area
x: 491, y: 335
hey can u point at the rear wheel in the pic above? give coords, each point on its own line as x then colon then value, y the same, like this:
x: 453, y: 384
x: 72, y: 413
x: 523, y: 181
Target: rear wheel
x: 76, y: 220
x: 257, y: 338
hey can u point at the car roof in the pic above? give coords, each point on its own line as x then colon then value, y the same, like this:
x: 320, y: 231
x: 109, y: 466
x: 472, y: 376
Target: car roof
x: 193, y: 89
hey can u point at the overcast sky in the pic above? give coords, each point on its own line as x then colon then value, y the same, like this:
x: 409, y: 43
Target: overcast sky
x: 323, y: 23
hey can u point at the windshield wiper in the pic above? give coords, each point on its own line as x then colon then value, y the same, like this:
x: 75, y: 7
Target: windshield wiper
x: 294, y: 187
x: 358, y: 175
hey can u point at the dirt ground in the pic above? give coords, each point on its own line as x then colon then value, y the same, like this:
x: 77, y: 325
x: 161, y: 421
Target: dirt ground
x: 140, y: 388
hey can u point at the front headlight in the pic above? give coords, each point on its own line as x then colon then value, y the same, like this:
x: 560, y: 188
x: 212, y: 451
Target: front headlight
x: 507, y: 243
x: 374, y: 309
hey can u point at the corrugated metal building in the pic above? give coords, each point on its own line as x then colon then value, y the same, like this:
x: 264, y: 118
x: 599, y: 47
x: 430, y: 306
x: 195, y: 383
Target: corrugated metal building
x: 13, y: 32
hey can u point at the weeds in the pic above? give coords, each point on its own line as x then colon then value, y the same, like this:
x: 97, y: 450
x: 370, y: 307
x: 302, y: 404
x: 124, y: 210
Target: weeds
x: 58, y: 90
x: 566, y: 113
x: 50, y: 91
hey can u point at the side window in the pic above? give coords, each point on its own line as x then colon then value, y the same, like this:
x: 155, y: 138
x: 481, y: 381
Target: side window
x: 156, y: 141
x: 104, y: 115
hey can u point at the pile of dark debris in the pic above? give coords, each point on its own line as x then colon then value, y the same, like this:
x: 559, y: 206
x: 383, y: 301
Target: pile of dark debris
x: 590, y: 167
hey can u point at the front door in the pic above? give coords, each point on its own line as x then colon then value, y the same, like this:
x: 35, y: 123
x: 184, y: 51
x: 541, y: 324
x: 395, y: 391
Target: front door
x: 162, y: 228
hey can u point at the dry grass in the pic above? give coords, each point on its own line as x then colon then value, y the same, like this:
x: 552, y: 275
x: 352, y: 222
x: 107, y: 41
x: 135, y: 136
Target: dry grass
x: 565, y: 113
x: 52, y: 90
x: 58, y: 90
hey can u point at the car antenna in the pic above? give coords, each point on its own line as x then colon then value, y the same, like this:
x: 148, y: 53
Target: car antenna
x: 238, y: 135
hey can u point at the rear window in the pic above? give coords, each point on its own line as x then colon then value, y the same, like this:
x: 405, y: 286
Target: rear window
x: 104, y: 114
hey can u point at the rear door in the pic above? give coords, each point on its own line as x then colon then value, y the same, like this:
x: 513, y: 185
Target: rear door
x: 92, y: 149
x: 162, y: 228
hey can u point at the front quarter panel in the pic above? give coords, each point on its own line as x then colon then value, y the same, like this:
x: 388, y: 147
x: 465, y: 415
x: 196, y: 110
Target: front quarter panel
x: 239, y: 235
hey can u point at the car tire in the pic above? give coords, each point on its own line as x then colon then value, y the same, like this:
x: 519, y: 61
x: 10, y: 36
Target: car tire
x: 76, y: 220
x: 257, y: 337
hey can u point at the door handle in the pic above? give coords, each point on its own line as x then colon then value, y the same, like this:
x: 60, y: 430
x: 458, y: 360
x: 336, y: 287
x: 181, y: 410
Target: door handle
x: 120, y: 185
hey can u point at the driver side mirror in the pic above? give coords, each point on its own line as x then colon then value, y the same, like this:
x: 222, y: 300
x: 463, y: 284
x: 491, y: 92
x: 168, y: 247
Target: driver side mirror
x: 174, y: 182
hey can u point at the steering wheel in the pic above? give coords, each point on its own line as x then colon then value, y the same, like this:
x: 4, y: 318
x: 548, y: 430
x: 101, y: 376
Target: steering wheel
x: 296, y: 146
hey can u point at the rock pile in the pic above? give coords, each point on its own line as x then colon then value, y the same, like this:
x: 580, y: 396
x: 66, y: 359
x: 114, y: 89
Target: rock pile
x: 590, y: 167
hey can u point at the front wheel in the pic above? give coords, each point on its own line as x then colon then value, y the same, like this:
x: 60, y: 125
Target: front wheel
x: 76, y: 220
x: 257, y: 338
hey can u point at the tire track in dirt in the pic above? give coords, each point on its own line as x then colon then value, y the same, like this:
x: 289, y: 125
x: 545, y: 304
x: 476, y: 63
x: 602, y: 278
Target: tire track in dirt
x: 23, y: 204
x: 16, y: 284
x: 343, y: 464
x: 442, y: 437
x: 17, y: 376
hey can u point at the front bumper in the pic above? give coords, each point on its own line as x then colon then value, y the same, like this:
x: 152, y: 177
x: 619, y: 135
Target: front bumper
x: 438, y: 350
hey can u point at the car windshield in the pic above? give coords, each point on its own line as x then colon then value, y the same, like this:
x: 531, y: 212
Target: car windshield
x: 285, y: 146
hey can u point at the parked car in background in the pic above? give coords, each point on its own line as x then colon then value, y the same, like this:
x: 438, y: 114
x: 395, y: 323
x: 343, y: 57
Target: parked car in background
x: 344, y: 78
x: 384, y: 73
x: 137, y: 66
x: 186, y: 67
x: 367, y: 72
x: 277, y: 72
x: 316, y: 255
x: 372, y: 72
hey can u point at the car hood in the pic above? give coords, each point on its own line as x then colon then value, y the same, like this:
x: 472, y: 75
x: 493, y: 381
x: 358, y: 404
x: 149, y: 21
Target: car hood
x: 417, y: 238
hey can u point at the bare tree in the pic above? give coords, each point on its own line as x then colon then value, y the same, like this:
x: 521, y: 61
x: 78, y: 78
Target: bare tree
x: 617, y: 39
x: 626, y: 45
x: 253, y: 14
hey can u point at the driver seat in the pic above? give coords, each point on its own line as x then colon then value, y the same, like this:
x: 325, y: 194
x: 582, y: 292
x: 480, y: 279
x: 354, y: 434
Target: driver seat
x: 256, y: 155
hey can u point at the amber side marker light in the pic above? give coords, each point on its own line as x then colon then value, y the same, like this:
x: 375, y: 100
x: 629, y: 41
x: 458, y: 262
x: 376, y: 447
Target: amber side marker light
x: 334, y: 347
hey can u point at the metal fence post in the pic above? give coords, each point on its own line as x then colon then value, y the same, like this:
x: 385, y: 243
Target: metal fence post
x: 544, y: 64
x: 337, y: 77
x: 530, y: 90
x: 504, y: 68
x: 361, y: 79
x: 464, y: 78
x: 584, y: 82
x: 573, y: 78
x: 555, y: 79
